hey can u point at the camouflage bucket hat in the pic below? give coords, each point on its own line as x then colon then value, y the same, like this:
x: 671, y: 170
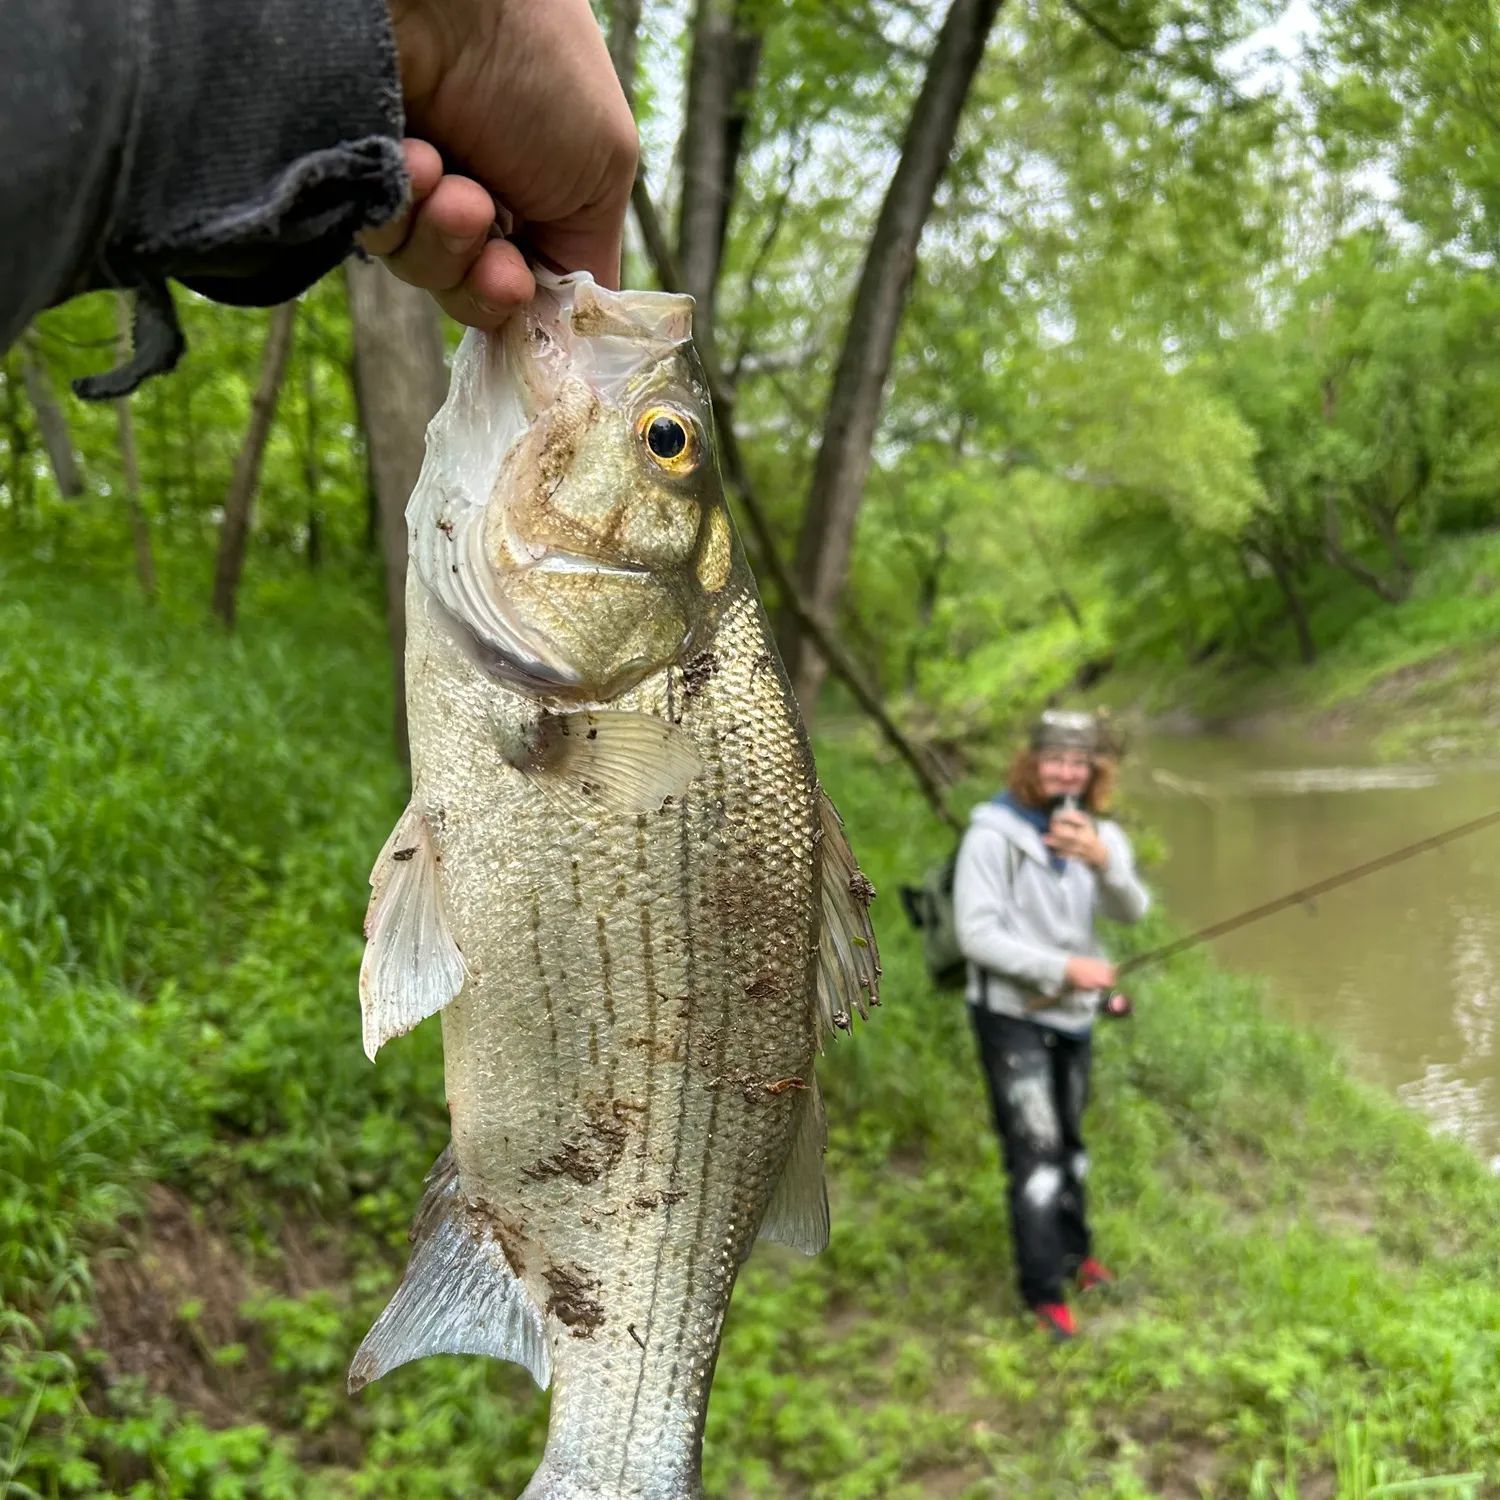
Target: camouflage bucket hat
x: 1065, y: 729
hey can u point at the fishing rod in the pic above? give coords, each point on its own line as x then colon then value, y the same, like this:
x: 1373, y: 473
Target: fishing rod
x: 1303, y: 896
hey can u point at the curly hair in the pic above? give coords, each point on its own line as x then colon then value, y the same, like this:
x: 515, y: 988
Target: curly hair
x: 1025, y: 784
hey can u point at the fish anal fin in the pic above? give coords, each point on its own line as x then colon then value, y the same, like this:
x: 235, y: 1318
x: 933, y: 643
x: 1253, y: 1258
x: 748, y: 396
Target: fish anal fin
x: 412, y: 967
x: 797, y: 1214
x: 460, y: 1294
x: 610, y: 759
x: 848, y: 960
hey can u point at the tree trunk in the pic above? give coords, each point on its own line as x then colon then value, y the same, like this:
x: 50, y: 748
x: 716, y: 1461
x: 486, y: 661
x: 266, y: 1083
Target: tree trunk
x: 1333, y: 549
x: 16, y: 441
x: 402, y: 379
x: 1237, y: 613
x: 1281, y: 569
x: 1333, y: 545
x: 234, y: 530
x: 855, y: 401
x: 1388, y: 529
x: 140, y: 532
x: 746, y: 43
x: 721, y: 77
x: 50, y: 419
x: 625, y: 18
x: 312, y: 469
x: 624, y: 26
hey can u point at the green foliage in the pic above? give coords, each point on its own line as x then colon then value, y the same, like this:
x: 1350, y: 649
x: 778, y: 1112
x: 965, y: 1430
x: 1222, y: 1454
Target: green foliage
x: 1308, y: 1286
x: 1171, y: 401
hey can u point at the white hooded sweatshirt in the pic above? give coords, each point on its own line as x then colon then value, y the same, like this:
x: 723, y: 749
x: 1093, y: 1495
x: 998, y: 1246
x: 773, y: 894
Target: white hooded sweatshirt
x: 1019, y: 920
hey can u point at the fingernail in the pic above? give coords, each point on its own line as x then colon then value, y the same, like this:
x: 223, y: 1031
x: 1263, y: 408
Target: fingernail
x: 456, y: 244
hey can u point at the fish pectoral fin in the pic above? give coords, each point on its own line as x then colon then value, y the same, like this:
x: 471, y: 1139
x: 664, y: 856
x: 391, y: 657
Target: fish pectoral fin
x: 412, y: 967
x: 848, y: 961
x: 611, y: 759
x: 459, y: 1294
x: 798, y: 1212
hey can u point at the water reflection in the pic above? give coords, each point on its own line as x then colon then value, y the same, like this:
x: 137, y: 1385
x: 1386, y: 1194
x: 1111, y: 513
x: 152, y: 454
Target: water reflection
x: 1404, y: 966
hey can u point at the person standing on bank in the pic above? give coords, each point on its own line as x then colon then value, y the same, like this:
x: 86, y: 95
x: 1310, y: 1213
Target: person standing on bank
x: 1037, y: 864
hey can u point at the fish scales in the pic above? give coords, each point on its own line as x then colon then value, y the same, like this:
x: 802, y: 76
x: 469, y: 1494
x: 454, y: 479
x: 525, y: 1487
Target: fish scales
x: 626, y: 956
x: 682, y: 942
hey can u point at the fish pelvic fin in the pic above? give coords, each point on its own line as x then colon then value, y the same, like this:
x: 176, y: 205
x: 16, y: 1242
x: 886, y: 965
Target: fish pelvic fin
x: 610, y: 759
x: 460, y: 1294
x: 412, y: 967
x: 848, y: 961
x: 797, y: 1214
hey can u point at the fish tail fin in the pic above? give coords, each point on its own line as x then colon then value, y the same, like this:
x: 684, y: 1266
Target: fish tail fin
x: 459, y: 1294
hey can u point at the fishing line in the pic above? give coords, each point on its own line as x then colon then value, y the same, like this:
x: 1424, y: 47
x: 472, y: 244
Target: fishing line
x: 1305, y: 895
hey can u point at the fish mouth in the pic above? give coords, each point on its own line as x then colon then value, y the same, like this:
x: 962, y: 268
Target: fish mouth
x: 577, y: 562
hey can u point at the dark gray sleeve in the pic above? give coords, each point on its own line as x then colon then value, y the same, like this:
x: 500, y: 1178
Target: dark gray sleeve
x: 234, y: 145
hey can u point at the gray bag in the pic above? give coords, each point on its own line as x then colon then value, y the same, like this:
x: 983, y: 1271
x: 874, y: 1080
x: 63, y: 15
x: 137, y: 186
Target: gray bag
x: 929, y: 908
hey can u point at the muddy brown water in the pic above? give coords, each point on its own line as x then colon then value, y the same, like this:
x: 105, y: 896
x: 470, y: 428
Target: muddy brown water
x: 1403, y: 967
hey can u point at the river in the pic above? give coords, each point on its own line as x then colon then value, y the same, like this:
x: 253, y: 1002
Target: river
x: 1402, y: 967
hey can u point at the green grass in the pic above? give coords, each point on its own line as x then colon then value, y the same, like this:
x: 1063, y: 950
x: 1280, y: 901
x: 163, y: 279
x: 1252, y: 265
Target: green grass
x: 204, y: 1187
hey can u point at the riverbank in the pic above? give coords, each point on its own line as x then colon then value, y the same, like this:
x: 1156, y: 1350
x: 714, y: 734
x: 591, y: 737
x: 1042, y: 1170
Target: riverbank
x: 205, y: 1188
x: 1414, y: 680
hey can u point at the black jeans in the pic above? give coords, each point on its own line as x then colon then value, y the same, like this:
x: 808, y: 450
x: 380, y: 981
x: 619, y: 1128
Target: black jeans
x: 1039, y: 1084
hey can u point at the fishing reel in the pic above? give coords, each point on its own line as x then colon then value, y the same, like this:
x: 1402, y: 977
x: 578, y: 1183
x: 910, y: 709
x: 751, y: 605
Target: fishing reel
x: 1118, y: 1006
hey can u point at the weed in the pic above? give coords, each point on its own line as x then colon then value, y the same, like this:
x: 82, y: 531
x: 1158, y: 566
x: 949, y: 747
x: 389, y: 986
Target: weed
x: 186, y: 828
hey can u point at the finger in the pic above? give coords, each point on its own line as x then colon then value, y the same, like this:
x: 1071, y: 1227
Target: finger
x: 446, y: 237
x: 498, y: 284
x: 424, y: 170
x: 595, y: 250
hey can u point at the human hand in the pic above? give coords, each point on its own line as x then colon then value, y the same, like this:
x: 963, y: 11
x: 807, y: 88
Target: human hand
x: 1074, y: 836
x: 1089, y: 973
x: 521, y: 96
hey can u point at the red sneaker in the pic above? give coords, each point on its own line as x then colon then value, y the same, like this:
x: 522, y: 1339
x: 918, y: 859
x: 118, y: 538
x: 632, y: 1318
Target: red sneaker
x: 1057, y: 1319
x: 1092, y: 1274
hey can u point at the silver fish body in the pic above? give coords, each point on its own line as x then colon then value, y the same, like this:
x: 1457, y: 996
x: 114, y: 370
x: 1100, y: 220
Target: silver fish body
x: 648, y: 914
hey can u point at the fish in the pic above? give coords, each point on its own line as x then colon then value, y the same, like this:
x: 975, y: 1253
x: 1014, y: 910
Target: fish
x: 618, y: 881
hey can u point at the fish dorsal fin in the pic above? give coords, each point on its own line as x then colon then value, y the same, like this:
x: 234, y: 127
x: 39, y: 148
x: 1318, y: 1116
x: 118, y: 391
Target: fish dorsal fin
x: 610, y: 759
x: 798, y: 1212
x: 848, y: 962
x: 459, y: 1294
x: 412, y: 967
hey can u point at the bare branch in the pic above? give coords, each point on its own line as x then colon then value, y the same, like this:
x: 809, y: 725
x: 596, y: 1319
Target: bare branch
x: 1107, y: 32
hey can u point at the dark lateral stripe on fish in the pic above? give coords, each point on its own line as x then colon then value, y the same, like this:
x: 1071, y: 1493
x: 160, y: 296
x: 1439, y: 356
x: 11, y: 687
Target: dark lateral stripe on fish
x: 606, y: 980
x: 534, y: 907
x: 720, y: 968
x: 677, y: 1333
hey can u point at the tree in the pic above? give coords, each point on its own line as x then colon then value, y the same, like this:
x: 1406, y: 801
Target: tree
x: 50, y: 420
x: 234, y: 530
x: 402, y: 379
x: 722, y: 70
x: 855, y: 401
x: 145, y: 561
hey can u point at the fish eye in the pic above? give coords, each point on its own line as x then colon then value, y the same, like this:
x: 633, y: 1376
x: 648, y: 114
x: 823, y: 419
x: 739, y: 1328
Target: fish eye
x: 670, y: 440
